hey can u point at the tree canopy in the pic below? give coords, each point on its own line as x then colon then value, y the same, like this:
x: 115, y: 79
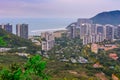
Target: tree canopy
x: 33, y: 68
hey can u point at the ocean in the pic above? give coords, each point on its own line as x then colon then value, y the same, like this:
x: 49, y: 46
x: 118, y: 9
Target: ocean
x: 37, y: 25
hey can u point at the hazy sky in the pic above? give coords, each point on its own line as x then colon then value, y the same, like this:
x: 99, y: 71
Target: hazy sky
x: 56, y: 8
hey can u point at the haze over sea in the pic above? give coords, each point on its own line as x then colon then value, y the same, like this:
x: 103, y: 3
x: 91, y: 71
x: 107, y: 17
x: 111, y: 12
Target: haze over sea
x: 37, y: 25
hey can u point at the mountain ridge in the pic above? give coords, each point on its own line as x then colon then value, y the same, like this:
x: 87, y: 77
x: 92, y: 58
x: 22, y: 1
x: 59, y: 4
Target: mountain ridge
x: 107, y: 17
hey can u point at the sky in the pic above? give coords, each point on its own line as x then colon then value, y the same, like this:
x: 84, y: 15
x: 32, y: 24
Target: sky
x: 55, y: 8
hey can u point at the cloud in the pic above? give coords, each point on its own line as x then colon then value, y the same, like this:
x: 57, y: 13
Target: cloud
x: 55, y: 8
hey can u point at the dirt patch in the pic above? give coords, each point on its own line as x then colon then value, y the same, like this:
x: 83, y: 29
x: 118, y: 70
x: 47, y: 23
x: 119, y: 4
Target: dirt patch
x: 101, y: 76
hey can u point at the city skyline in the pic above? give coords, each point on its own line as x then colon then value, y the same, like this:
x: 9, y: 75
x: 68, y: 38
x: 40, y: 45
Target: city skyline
x: 55, y: 8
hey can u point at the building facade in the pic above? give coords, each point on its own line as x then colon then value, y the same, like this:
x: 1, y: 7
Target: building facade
x: 71, y: 30
x: 109, y: 32
x: 80, y: 21
x: 118, y: 32
x: 22, y: 30
x: 85, y: 27
x: 93, y: 33
x: 47, y: 40
x: 6, y: 27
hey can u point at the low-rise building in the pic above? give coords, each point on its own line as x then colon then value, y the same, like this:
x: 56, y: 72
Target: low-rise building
x: 73, y: 60
x: 97, y: 65
x: 4, y: 49
x: 94, y: 48
x: 108, y: 47
x: 82, y: 60
x: 23, y: 54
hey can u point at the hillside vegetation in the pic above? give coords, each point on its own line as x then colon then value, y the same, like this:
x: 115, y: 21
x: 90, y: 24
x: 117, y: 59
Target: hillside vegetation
x: 13, y: 41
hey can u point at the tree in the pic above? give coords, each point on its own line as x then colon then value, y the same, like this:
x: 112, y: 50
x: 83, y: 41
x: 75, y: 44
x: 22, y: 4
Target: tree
x: 33, y: 67
x: 2, y: 42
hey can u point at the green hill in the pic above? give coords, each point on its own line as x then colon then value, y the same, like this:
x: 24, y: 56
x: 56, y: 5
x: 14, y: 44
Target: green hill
x: 13, y: 41
x: 110, y: 17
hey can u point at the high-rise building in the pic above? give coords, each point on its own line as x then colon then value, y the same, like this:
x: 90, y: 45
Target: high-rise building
x: 118, y: 32
x: 94, y: 33
x: 85, y: 27
x: 93, y: 29
x: 22, y: 30
x: 2, y: 26
x: 99, y: 37
x: 6, y: 27
x: 93, y: 38
x: 100, y: 31
x: 109, y: 32
x: 71, y: 30
x: 86, y: 39
x: 47, y: 40
x: 81, y: 21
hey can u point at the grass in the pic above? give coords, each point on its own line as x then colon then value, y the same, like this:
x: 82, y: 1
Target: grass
x: 9, y: 58
x: 55, y: 69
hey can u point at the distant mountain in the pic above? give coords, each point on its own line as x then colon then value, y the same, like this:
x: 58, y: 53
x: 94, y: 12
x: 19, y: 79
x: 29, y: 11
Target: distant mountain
x: 111, y: 17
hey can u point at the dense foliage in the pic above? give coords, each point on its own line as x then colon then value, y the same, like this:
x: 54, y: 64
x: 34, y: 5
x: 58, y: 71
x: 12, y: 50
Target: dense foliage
x: 31, y: 70
x: 65, y: 49
x: 72, y: 48
x: 13, y: 41
x: 2, y: 42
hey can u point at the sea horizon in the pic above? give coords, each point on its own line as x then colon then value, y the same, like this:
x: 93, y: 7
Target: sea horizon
x: 37, y: 25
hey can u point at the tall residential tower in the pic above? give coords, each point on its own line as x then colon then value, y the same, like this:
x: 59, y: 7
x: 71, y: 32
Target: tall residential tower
x: 6, y: 27
x: 22, y: 30
x: 85, y: 27
x: 71, y: 30
x: 109, y: 32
